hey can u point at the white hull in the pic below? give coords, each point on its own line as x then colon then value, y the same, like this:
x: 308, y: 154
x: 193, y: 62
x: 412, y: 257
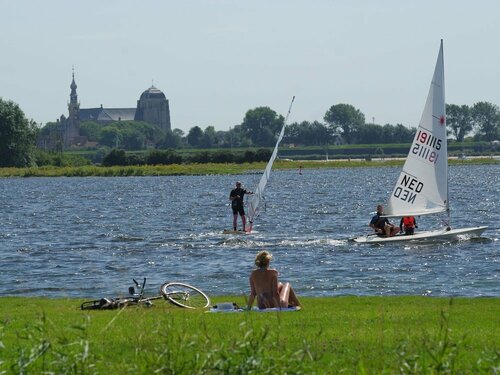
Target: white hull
x: 431, y: 235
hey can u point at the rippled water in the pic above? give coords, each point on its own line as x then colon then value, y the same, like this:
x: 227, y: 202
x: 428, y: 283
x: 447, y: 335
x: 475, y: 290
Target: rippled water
x: 88, y: 237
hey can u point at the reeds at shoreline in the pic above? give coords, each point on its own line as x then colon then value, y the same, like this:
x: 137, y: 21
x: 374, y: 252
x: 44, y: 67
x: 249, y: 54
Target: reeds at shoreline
x: 209, y: 168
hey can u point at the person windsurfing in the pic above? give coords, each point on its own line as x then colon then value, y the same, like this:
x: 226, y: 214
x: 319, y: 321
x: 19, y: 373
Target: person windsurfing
x: 237, y: 205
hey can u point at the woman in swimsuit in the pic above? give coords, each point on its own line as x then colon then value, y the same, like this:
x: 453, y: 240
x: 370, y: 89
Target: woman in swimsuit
x: 265, y: 286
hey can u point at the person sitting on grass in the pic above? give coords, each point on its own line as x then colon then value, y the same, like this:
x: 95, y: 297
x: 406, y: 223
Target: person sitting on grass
x: 265, y: 286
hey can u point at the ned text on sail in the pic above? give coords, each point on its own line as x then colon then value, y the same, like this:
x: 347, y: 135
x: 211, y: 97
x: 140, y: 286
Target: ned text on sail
x: 408, y: 189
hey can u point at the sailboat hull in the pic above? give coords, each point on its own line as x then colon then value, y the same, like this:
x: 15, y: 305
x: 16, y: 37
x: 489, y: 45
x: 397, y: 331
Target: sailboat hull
x: 435, y: 235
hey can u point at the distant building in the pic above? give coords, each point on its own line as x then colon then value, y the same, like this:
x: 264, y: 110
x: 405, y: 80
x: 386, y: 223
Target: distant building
x: 152, y: 107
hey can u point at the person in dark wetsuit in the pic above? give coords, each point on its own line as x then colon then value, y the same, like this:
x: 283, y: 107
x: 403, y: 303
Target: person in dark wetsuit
x: 381, y: 225
x: 236, y: 197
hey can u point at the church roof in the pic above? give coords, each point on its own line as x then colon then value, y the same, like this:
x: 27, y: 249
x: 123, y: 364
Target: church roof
x: 107, y: 114
x: 152, y: 93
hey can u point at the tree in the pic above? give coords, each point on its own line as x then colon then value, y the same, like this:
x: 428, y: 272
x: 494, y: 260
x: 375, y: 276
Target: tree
x: 110, y: 136
x: 236, y: 137
x: 308, y: 134
x: 209, y: 137
x: 402, y: 134
x: 179, y: 133
x: 486, y: 117
x: 133, y: 139
x: 370, y: 133
x: 171, y: 139
x: 261, y: 125
x: 459, y: 119
x: 346, y: 118
x: 50, y: 137
x: 17, y: 136
x: 195, y: 136
x: 91, y: 130
x: 320, y: 134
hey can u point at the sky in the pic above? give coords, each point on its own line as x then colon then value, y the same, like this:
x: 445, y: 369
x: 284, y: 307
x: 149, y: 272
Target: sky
x: 215, y: 60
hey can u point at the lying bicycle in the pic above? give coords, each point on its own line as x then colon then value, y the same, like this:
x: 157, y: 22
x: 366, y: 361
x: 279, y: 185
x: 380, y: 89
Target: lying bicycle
x: 180, y: 294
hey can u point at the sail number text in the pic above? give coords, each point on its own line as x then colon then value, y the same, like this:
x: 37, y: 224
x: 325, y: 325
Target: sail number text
x: 408, y: 189
x: 426, y: 146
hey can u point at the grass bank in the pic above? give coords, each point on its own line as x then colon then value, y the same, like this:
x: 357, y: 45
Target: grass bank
x: 351, y: 335
x: 207, y: 169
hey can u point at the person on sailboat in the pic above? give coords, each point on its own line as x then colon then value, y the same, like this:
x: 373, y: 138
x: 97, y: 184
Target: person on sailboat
x: 408, y: 225
x: 264, y: 286
x: 381, y: 225
x: 236, y: 197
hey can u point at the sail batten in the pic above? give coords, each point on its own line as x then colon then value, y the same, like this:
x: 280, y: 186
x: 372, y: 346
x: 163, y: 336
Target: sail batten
x: 254, y: 200
x: 422, y: 186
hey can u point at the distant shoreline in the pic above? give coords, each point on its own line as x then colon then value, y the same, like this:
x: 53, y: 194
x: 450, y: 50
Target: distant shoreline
x: 219, y: 169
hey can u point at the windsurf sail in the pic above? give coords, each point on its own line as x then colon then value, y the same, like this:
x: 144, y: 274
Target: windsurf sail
x: 422, y: 186
x: 255, y: 199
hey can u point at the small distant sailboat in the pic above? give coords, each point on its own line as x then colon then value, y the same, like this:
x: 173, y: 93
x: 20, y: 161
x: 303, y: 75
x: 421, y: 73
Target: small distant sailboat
x: 254, y: 200
x: 422, y: 186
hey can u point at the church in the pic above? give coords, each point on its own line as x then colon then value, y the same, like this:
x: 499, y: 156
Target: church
x: 152, y: 107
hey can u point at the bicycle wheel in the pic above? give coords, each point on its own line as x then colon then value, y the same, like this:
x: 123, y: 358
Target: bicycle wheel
x: 185, y: 295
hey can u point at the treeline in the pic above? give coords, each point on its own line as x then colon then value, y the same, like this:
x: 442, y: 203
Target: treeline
x: 343, y: 124
x: 259, y: 128
x: 317, y: 134
x: 166, y: 157
x: 481, y: 121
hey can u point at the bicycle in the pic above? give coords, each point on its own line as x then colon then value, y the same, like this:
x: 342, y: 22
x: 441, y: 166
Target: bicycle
x: 179, y: 294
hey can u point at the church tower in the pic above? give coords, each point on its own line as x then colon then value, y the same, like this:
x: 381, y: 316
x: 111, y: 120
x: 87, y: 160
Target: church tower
x: 152, y: 107
x: 72, y: 130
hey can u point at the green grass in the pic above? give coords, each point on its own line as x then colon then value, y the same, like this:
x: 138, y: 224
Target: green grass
x: 206, y: 169
x: 350, y: 335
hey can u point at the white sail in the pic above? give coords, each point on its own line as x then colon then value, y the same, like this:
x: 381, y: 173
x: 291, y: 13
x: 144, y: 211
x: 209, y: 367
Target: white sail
x: 422, y: 186
x: 255, y: 199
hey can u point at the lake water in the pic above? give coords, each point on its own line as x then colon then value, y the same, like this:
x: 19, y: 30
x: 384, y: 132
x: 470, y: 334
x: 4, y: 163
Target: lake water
x: 88, y: 237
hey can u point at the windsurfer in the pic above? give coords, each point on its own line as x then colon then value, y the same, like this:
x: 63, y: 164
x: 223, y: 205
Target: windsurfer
x: 381, y: 225
x: 265, y: 286
x: 236, y: 197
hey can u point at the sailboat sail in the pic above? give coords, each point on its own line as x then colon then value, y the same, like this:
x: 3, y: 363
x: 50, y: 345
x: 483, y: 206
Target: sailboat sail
x: 255, y: 199
x: 422, y: 186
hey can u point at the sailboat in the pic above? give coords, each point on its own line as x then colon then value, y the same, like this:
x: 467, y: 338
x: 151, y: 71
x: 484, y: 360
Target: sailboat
x: 422, y: 186
x: 255, y: 199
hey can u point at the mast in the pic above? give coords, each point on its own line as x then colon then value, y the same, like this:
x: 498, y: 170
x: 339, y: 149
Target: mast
x: 445, y: 124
